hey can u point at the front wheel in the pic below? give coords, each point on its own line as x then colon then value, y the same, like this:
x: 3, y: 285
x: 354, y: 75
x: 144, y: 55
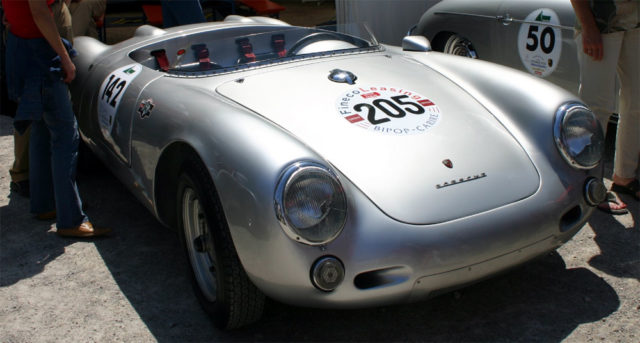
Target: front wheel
x: 456, y: 45
x: 220, y: 282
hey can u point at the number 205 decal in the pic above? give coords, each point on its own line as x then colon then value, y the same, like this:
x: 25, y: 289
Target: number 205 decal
x: 111, y: 93
x: 388, y: 110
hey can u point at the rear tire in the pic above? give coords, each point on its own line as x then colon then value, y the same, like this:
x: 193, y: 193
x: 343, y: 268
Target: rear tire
x: 220, y: 283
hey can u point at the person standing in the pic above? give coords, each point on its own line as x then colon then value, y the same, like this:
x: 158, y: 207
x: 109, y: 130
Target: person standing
x: 181, y: 12
x: 608, y: 44
x: 19, y: 171
x: 33, y: 44
x: 62, y: 18
x: 85, y: 14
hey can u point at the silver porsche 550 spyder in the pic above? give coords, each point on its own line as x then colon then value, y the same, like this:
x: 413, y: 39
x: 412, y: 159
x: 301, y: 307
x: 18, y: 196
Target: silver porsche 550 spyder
x: 320, y: 168
x: 536, y: 36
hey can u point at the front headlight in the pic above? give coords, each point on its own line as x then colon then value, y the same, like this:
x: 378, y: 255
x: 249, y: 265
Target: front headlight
x: 578, y: 135
x: 310, y: 203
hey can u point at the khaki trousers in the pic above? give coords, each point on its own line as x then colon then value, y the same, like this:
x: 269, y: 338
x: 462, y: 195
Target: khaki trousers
x: 20, y: 169
x: 84, y: 13
x: 597, y: 90
x: 62, y: 17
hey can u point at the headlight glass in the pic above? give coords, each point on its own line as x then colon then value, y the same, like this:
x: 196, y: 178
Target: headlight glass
x: 310, y: 203
x: 578, y: 135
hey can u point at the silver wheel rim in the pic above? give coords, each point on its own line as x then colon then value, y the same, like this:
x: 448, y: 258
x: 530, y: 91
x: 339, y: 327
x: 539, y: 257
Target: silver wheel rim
x: 199, y: 244
x: 457, y: 45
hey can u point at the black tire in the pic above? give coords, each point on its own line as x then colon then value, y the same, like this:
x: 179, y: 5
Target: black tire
x: 456, y: 45
x: 220, y: 283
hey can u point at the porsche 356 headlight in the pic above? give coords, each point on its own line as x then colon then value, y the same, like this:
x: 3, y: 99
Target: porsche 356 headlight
x: 310, y: 203
x: 578, y: 135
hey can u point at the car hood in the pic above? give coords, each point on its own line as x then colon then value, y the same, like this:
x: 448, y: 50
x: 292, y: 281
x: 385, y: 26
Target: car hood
x: 421, y: 148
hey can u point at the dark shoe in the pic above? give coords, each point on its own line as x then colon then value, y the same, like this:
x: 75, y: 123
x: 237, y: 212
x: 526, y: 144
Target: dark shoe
x: 46, y: 215
x: 612, y: 205
x: 630, y: 189
x: 20, y: 187
x: 85, y: 229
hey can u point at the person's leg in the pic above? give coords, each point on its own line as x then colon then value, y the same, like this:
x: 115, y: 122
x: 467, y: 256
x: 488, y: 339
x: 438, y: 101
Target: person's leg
x: 80, y: 17
x: 98, y: 9
x: 628, y: 134
x: 20, y: 170
x: 598, y: 91
x: 41, y: 183
x: 84, y: 13
x: 181, y: 12
x: 63, y: 128
x: 598, y: 78
x: 62, y: 17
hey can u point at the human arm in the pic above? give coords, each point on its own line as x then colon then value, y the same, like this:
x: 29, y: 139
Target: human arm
x: 44, y: 20
x: 591, y: 38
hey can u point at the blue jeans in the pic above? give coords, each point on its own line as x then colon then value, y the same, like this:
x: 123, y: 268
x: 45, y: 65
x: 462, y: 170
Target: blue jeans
x: 181, y: 12
x: 43, y: 101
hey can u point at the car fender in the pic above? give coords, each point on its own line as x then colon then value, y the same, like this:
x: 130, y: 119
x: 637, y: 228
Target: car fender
x: 245, y: 155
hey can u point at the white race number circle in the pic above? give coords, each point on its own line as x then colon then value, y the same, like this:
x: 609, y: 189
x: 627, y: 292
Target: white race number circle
x: 540, y: 44
x: 111, y: 93
x: 388, y: 110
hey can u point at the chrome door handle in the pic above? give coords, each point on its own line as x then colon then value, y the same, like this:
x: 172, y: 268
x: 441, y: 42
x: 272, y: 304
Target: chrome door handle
x: 505, y: 19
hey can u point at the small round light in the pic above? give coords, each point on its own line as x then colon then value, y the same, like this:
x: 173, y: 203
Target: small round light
x: 327, y: 273
x: 594, y: 191
x: 578, y: 135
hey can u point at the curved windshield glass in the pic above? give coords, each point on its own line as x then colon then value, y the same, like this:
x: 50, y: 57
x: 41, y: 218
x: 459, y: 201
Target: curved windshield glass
x: 225, y: 49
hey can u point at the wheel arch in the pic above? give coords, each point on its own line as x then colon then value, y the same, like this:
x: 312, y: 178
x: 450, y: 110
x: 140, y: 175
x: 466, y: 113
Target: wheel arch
x: 440, y: 39
x: 165, y: 185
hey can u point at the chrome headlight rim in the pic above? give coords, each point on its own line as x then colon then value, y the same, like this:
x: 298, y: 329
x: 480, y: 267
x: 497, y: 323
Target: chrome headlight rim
x: 288, y: 177
x: 558, y: 130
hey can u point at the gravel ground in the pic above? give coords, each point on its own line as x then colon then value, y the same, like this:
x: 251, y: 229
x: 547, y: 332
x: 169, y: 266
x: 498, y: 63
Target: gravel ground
x: 133, y: 286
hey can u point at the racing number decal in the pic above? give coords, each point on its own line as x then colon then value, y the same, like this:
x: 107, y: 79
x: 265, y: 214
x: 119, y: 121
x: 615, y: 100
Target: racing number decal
x: 111, y: 94
x: 119, y: 84
x: 388, y: 110
x: 546, y: 42
x: 540, y: 44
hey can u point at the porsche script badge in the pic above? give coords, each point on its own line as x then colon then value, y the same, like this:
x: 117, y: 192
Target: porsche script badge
x: 461, y: 180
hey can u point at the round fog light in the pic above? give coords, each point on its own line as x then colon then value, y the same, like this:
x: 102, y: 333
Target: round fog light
x: 327, y: 273
x: 595, y: 191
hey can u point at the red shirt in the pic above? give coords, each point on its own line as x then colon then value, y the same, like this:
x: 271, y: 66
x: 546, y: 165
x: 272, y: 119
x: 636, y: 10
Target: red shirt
x: 18, y: 14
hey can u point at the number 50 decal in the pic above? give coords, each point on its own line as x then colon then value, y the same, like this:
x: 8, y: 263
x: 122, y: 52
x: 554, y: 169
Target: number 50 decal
x: 547, y: 39
x: 111, y: 93
x: 540, y: 42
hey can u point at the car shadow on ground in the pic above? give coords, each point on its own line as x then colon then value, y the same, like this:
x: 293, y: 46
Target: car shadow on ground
x: 540, y: 301
x: 619, y: 245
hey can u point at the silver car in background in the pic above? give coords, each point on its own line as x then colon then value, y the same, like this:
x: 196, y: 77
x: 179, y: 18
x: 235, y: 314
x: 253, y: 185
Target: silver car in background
x: 320, y: 168
x: 536, y: 36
